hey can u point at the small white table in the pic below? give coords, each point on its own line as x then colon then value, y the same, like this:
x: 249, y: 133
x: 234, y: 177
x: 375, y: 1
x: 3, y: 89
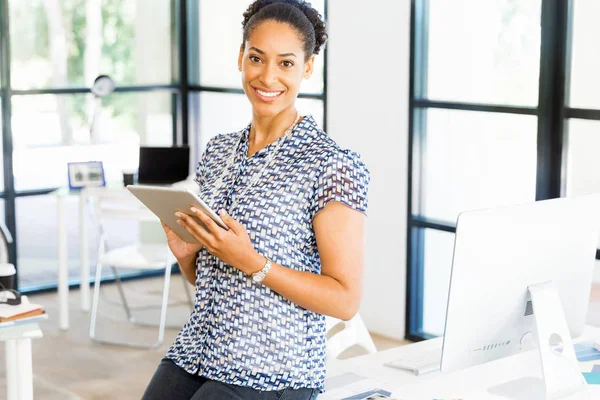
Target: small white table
x: 468, y: 384
x: 19, y: 372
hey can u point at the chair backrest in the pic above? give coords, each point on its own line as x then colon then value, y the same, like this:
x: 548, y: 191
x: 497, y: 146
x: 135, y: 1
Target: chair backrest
x: 353, y: 333
x: 118, y: 203
x: 113, y: 207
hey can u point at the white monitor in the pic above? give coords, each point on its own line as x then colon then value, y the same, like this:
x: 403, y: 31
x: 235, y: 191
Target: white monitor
x: 498, y: 254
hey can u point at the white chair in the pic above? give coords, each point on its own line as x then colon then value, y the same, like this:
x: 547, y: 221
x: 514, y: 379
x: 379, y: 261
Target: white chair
x: 119, y: 204
x: 353, y: 333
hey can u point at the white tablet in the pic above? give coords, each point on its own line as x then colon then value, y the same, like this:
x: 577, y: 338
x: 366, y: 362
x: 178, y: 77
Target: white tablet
x: 164, y: 202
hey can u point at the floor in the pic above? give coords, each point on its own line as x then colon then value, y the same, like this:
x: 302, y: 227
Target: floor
x: 67, y: 365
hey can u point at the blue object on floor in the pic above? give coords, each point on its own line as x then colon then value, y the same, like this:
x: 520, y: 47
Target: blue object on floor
x: 592, y: 378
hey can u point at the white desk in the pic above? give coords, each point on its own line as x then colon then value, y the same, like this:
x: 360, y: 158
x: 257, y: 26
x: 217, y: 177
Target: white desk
x: 468, y: 384
x: 63, y: 257
x: 19, y: 373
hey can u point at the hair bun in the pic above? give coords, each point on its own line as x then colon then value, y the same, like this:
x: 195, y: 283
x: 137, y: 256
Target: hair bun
x: 279, y: 10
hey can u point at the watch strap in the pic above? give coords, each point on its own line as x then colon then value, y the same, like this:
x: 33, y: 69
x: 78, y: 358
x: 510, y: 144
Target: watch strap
x: 259, y: 276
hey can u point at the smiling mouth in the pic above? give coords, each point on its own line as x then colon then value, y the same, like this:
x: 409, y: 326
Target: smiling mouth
x: 267, y: 94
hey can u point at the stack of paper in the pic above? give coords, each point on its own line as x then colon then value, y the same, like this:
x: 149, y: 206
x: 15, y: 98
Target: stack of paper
x: 350, y: 386
x: 20, y: 311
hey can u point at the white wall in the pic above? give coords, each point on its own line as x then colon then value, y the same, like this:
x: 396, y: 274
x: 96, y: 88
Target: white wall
x: 368, y: 81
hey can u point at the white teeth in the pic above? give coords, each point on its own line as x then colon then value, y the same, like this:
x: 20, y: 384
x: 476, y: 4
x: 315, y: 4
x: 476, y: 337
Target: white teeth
x: 268, y: 94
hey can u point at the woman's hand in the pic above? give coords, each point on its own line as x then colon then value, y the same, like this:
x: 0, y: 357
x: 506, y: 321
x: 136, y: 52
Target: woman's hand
x: 181, y: 249
x: 232, y: 246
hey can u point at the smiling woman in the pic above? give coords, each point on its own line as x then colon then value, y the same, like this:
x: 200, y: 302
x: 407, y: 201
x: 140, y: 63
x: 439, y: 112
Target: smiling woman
x: 295, y: 204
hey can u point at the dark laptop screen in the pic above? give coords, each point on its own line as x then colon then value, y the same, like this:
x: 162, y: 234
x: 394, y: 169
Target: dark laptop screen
x: 163, y: 165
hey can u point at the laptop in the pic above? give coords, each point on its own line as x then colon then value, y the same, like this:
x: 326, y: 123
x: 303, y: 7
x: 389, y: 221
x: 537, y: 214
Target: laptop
x: 163, y: 165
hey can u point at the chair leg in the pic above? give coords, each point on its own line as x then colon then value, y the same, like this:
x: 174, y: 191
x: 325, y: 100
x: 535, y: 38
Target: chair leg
x: 165, y: 302
x: 94, y: 315
x: 163, y: 314
x: 163, y: 311
x: 130, y: 317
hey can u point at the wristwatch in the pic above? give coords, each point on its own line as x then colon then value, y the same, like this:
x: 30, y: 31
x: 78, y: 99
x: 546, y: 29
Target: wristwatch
x: 259, y: 276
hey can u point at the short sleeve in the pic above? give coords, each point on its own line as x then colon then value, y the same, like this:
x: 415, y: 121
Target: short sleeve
x: 201, y: 167
x: 343, y: 178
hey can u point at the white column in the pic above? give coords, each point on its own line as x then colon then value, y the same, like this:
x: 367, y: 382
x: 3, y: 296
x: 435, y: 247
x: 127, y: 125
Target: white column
x: 83, y: 250
x: 25, y: 370
x: 12, y: 390
x: 63, y: 265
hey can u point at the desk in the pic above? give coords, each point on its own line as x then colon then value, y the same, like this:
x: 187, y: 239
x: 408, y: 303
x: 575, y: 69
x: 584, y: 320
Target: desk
x: 19, y: 374
x: 468, y: 384
x: 85, y: 195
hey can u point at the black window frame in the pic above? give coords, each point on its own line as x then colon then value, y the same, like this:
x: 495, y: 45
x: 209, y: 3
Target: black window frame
x: 552, y: 113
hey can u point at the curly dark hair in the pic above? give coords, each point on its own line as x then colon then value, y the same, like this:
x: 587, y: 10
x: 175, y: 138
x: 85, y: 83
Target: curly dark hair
x: 298, y: 13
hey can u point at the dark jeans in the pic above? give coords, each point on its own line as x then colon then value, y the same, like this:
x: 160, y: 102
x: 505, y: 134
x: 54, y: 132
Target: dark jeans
x: 171, y: 382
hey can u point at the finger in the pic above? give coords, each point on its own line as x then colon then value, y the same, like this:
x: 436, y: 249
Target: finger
x: 230, y: 222
x: 165, y: 227
x: 190, y: 230
x: 208, y: 222
x: 194, y: 229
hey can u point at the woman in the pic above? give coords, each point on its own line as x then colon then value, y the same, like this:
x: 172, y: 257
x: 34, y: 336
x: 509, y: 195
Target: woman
x: 295, y: 206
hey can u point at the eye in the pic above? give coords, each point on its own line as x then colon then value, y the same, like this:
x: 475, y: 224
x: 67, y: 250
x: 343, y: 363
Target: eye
x: 287, y: 63
x: 255, y: 59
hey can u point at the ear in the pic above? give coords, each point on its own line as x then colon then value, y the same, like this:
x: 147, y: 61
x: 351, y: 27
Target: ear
x: 240, y: 57
x: 309, y: 66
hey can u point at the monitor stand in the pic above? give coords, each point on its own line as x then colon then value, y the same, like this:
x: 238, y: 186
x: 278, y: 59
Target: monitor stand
x: 562, y: 378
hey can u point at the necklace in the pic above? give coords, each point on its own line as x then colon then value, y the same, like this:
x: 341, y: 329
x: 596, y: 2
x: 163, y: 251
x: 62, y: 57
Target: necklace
x: 269, y: 159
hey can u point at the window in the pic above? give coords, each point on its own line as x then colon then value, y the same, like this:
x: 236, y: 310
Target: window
x: 67, y: 43
x: 476, y: 160
x: 503, y: 110
x: 56, y: 50
x: 123, y: 123
x: 172, y: 88
x: 585, y: 60
x: 498, y: 65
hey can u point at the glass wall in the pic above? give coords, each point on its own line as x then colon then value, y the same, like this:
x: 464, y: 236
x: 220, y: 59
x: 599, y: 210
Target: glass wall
x: 57, y: 48
x: 504, y: 107
x: 67, y: 43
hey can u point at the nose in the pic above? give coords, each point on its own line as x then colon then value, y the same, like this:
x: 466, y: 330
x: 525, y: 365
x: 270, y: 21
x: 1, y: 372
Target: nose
x: 269, y: 75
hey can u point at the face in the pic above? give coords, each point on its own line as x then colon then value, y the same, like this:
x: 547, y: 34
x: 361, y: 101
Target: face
x: 273, y: 65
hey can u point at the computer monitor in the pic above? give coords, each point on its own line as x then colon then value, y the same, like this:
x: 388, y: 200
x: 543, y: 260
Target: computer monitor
x: 498, y: 254
x: 163, y: 165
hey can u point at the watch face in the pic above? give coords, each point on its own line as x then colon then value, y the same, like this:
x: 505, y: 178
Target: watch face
x: 103, y: 85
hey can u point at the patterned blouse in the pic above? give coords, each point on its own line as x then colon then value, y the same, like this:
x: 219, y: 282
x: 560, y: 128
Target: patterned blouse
x: 241, y: 332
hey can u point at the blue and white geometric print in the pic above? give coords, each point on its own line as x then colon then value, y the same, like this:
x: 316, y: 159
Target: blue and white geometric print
x: 243, y: 333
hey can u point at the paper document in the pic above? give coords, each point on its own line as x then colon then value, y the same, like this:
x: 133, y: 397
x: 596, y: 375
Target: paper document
x: 8, y: 312
x: 24, y: 321
x: 350, y: 386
